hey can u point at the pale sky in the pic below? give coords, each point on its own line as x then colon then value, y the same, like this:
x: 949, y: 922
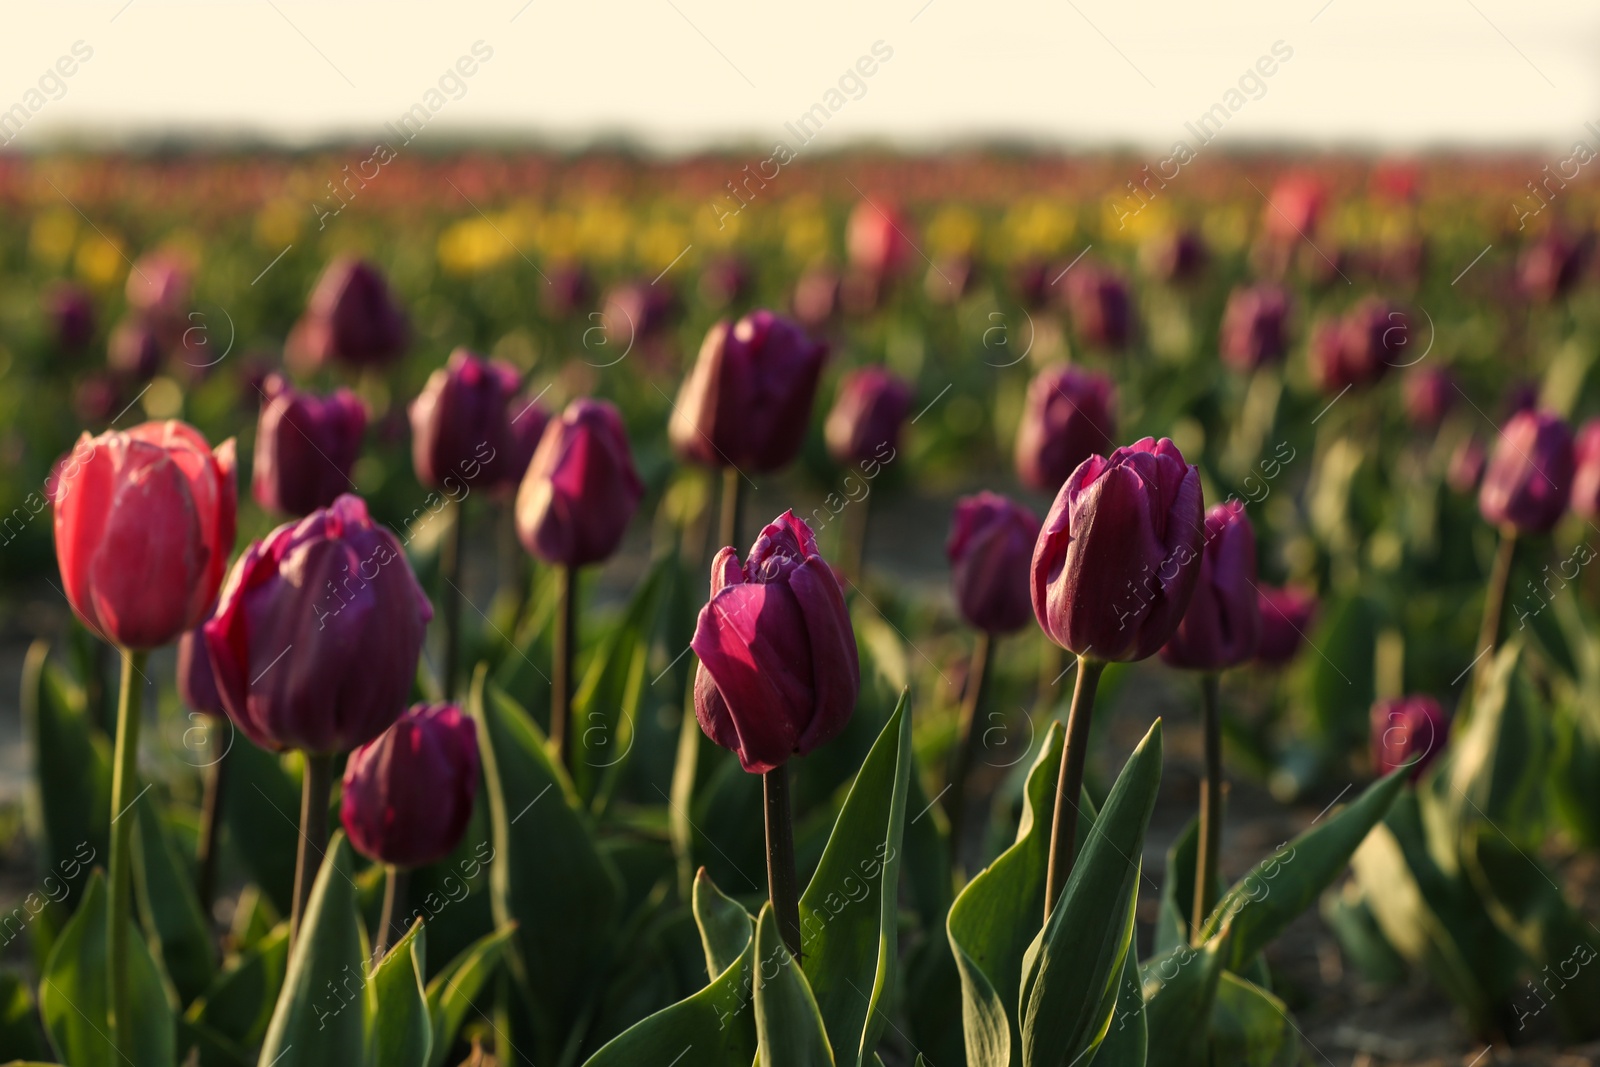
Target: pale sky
x: 680, y: 74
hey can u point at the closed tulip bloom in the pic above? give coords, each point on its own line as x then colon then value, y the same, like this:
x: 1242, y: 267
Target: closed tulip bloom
x: 1429, y: 394
x: 159, y: 283
x: 1175, y: 256
x: 70, y: 309
x: 1255, y: 327
x: 569, y: 291
x: 748, y: 399
x: 727, y: 280
x: 1100, y: 306
x: 316, y: 638
x: 990, y: 550
x: 1286, y: 616
x: 408, y: 793
x: 197, y: 684
x: 1529, y: 477
x: 1585, y: 498
x: 1066, y: 419
x: 306, y: 446
x: 1116, y: 563
x: 1409, y: 731
x: 528, y: 419
x: 1294, y: 210
x: 144, y: 522
x: 580, y: 488
x: 879, y: 240
x: 351, y: 318
x: 460, y: 431
x: 1359, y: 348
x: 1548, y: 268
x: 134, y: 349
x: 1222, y: 627
x: 1466, y: 466
x: 636, y: 311
x: 778, y: 672
x: 867, y: 415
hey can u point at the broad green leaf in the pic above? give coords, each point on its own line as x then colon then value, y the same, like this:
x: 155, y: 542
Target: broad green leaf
x: 453, y: 990
x: 1072, y: 972
x: 1127, y: 1036
x: 1250, y: 1027
x: 75, y: 996
x: 399, y: 1032
x: 318, y: 1016
x: 1179, y: 990
x: 239, y: 1003
x: 176, y: 926
x: 1286, y: 883
x: 1497, y: 766
x: 713, y: 1028
x: 723, y: 922
x: 547, y: 877
x: 261, y: 809
x: 20, y: 1037
x: 789, y: 1026
x: 849, y: 914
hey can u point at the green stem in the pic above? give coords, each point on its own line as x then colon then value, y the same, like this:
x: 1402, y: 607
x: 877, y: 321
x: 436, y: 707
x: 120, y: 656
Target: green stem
x: 1069, y: 785
x: 316, y: 785
x: 962, y: 755
x: 211, y: 818
x: 783, y: 885
x: 563, y: 645
x: 1209, y: 848
x: 396, y: 882
x: 853, y: 535
x: 125, y: 771
x: 450, y: 596
x: 1495, y: 599
x: 728, y: 527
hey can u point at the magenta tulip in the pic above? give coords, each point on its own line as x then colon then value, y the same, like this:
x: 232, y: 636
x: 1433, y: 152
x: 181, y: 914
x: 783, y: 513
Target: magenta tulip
x: 1466, y: 466
x: 1066, y: 418
x: 1286, y: 616
x: 867, y: 415
x: 1529, y: 477
x: 351, y: 318
x: 527, y: 421
x: 1222, y: 627
x: 306, y: 446
x: 990, y: 550
x: 1585, y: 498
x: 408, y: 793
x: 134, y: 349
x: 580, y: 488
x: 70, y: 309
x: 1409, y: 731
x: 197, y: 683
x: 1549, y: 267
x: 1255, y: 327
x: 879, y: 238
x: 460, y: 429
x: 1100, y: 306
x: 1429, y: 394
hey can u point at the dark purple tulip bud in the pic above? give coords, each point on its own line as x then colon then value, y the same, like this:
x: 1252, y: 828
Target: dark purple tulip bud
x: 528, y: 421
x: 1116, y: 564
x: 1101, y: 309
x: 134, y: 350
x: 1065, y: 420
x: 1408, y: 732
x: 570, y: 290
x: 1429, y: 393
x: 880, y: 240
x: 1521, y: 396
x: 351, y: 318
x: 866, y: 417
x: 96, y: 398
x: 637, y: 311
x: 460, y: 431
x: 948, y: 280
x: 1529, y: 477
x: 580, y: 488
x: 1550, y: 266
x: 748, y: 399
x: 197, y: 684
x: 1031, y: 280
x: 816, y: 296
x: 1255, y: 326
x: 726, y: 280
x: 1222, y: 627
x: 71, y: 312
x: 1466, y: 466
x: 1177, y: 256
x: 316, y: 638
x: 408, y: 794
x: 306, y: 446
x: 778, y: 672
x: 1586, y: 471
x: 1286, y: 617
x: 990, y: 549
x: 1359, y: 348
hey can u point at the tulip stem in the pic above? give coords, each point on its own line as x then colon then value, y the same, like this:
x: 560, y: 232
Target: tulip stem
x: 210, y: 820
x: 728, y: 527
x: 316, y: 785
x: 1069, y: 784
x: 962, y: 755
x: 125, y: 770
x: 783, y: 885
x: 396, y: 882
x: 563, y: 644
x: 450, y: 571
x: 1495, y: 599
x: 1209, y: 847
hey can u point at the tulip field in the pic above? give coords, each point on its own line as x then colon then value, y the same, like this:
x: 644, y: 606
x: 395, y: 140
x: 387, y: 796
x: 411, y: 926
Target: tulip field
x: 991, y: 609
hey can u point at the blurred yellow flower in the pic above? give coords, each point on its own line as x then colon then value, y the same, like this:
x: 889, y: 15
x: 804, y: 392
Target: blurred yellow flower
x: 101, y: 261
x: 953, y: 231
x: 603, y: 230
x: 661, y: 242
x: 805, y: 230
x: 1035, y: 228
x: 472, y: 246
x: 52, y: 236
x: 278, y: 222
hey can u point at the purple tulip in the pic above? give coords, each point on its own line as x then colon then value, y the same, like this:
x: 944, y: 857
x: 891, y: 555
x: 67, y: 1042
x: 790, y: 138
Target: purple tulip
x: 778, y: 671
x: 408, y: 793
x: 748, y: 399
x: 1360, y: 348
x: 134, y: 350
x: 197, y: 683
x: 71, y: 312
x: 637, y: 311
x: 1529, y: 477
x: 351, y: 318
x: 569, y: 289
x: 580, y: 488
x: 1286, y: 615
x: 460, y: 432
x: 1100, y: 306
x: 1177, y: 256
x: 306, y: 447
x: 867, y: 416
x: 1466, y: 466
x: 1116, y: 564
x: 1408, y: 732
x: 726, y: 280
x: 990, y: 549
x: 1550, y: 266
x: 527, y: 421
x: 1429, y: 394
x: 1030, y: 282
x: 1585, y: 499
x: 1255, y: 327
x: 316, y: 638
x: 1065, y: 420
x: 1222, y: 627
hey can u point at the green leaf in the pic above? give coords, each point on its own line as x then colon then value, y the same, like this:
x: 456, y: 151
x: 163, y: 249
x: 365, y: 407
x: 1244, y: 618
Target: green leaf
x: 547, y: 877
x: 789, y: 1027
x: 1179, y: 989
x: 453, y: 990
x: 20, y: 1038
x: 1072, y: 972
x: 313, y: 1017
x: 849, y: 914
x: 239, y: 1003
x: 177, y: 928
x: 724, y: 925
x: 1127, y: 1036
x: 261, y: 808
x: 1286, y: 883
x: 1497, y: 767
x: 75, y: 996
x: 399, y: 1031
x: 1250, y: 1027
x: 713, y: 1028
